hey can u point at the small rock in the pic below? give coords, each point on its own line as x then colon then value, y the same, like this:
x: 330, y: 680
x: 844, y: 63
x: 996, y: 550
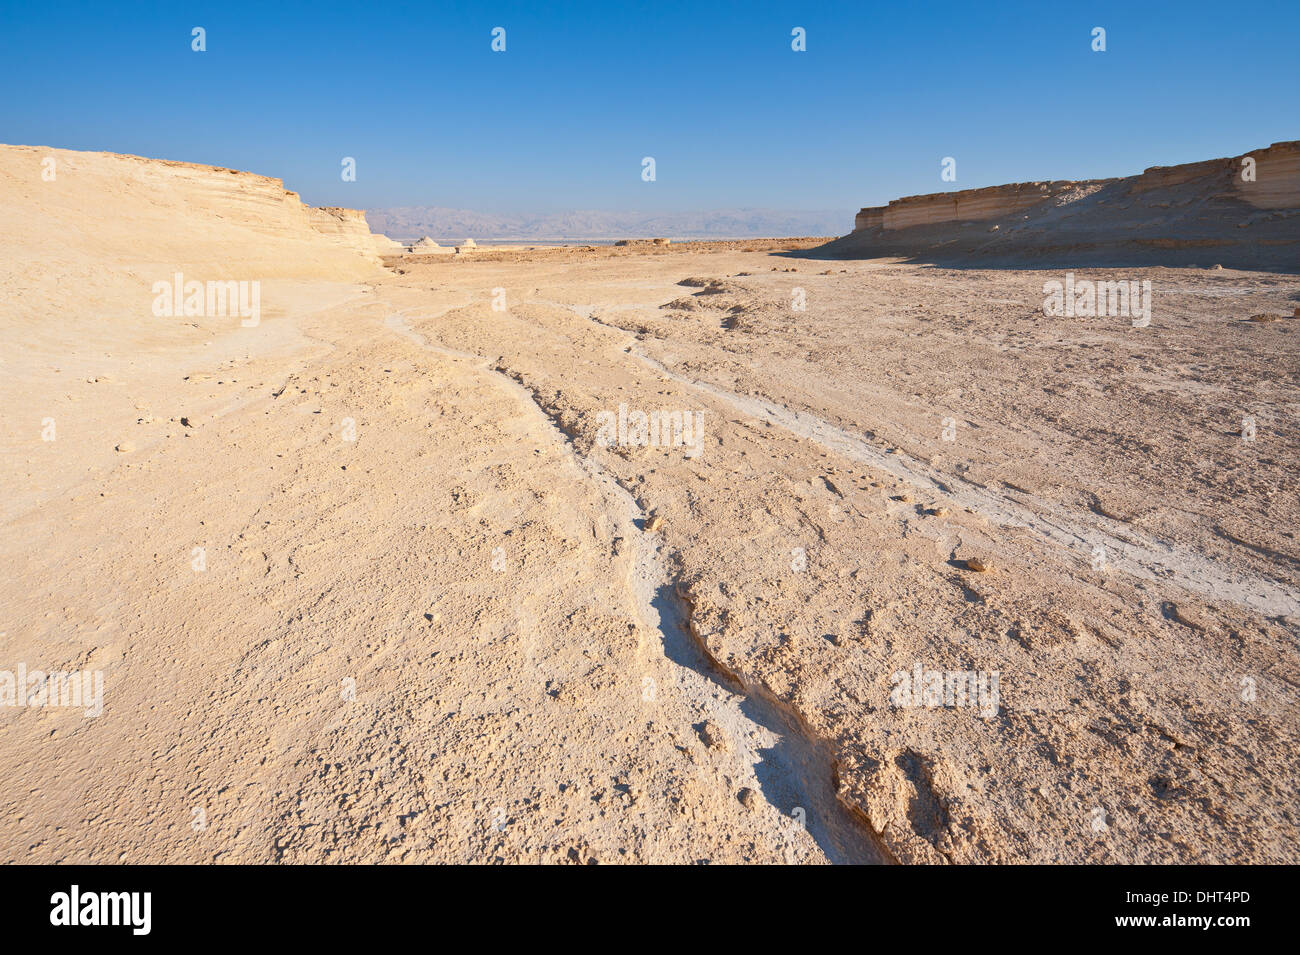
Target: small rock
x: 905, y: 497
x: 125, y: 447
x: 711, y: 735
x: 746, y: 797
x: 979, y: 564
x: 1184, y: 616
x: 654, y: 523
x: 940, y: 512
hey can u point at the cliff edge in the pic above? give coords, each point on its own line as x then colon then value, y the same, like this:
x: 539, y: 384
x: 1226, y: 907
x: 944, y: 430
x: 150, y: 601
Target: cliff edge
x: 1242, y: 211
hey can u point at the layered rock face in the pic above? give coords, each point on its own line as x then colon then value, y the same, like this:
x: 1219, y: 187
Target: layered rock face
x: 1273, y: 184
x: 1243, y: 210
x: 1277, y: 178
x: 1276, y: 186
x: 350, y: 228
x: 968, y: 205
x: 64, y: 208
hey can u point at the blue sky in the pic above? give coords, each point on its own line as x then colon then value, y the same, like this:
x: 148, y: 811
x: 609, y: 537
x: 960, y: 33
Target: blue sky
x: 732, y: 116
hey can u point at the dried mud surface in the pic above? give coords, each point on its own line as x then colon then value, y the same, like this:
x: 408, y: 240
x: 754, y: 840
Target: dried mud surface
x: 479, y: 633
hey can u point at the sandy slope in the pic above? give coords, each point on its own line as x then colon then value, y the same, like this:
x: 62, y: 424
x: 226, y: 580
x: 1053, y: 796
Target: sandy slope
x: 474, y: 632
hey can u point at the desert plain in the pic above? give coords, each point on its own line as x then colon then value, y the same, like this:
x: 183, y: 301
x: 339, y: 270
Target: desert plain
x: 400, y: 572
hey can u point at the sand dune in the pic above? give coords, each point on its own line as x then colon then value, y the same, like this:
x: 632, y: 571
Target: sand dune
x: 400, y: 573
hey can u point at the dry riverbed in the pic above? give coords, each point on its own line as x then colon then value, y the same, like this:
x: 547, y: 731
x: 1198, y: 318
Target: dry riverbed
x: 721, y: 552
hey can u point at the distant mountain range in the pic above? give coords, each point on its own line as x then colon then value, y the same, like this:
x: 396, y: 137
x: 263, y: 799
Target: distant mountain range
x: 410, y: 223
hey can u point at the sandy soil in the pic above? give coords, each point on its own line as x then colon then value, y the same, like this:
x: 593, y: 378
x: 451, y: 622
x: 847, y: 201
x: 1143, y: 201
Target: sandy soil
x: 440, y: 616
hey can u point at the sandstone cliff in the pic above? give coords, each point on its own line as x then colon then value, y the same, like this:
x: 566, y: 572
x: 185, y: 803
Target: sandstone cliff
x: 65, y: 210
x: 349, y: 226
x: 1211, y: 211
x: 967, y: 205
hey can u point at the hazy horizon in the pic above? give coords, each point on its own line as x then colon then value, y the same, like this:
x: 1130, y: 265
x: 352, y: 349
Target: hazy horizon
x: 409, y: 223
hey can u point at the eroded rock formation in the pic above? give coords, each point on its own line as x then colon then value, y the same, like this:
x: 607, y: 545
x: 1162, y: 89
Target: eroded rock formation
x: 1276, y: 185
x: 225, y: 223
x: 1243, y: 210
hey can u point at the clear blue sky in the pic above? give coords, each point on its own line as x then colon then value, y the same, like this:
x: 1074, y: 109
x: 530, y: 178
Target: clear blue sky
x: 732, y: 115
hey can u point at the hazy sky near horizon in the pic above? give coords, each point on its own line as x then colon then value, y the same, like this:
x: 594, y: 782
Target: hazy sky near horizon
x: 731, y: 114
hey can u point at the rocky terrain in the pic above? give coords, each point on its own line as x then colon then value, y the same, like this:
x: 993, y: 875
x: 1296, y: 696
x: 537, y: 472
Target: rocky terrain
x: 751, y: 551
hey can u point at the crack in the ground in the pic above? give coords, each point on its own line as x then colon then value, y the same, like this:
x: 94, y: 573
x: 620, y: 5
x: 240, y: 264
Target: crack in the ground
x: 797, y: 774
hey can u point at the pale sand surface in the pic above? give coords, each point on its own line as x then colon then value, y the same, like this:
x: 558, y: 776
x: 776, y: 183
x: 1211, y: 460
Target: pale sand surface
x: 541, y: 677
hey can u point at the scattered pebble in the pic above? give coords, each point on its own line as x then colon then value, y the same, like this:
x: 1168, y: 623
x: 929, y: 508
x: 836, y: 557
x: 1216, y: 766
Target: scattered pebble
x: 979, y: 564
x: 711, y: 735
x: 654, y: 523
x: 1184, y: 616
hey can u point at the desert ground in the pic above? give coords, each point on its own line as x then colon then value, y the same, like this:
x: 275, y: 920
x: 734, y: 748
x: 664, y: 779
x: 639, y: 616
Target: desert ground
x: 377, y: 580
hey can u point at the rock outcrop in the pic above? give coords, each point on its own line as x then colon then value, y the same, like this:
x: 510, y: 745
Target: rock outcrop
x: 427, y: 246
x: 968, y: 205
x: 1276, y: 185
x: 350, y: 228
x: 154, y: 215
x: 1242, y: 211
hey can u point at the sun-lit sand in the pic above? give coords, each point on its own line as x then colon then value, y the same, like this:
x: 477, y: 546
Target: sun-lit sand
x: 644, y: 553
